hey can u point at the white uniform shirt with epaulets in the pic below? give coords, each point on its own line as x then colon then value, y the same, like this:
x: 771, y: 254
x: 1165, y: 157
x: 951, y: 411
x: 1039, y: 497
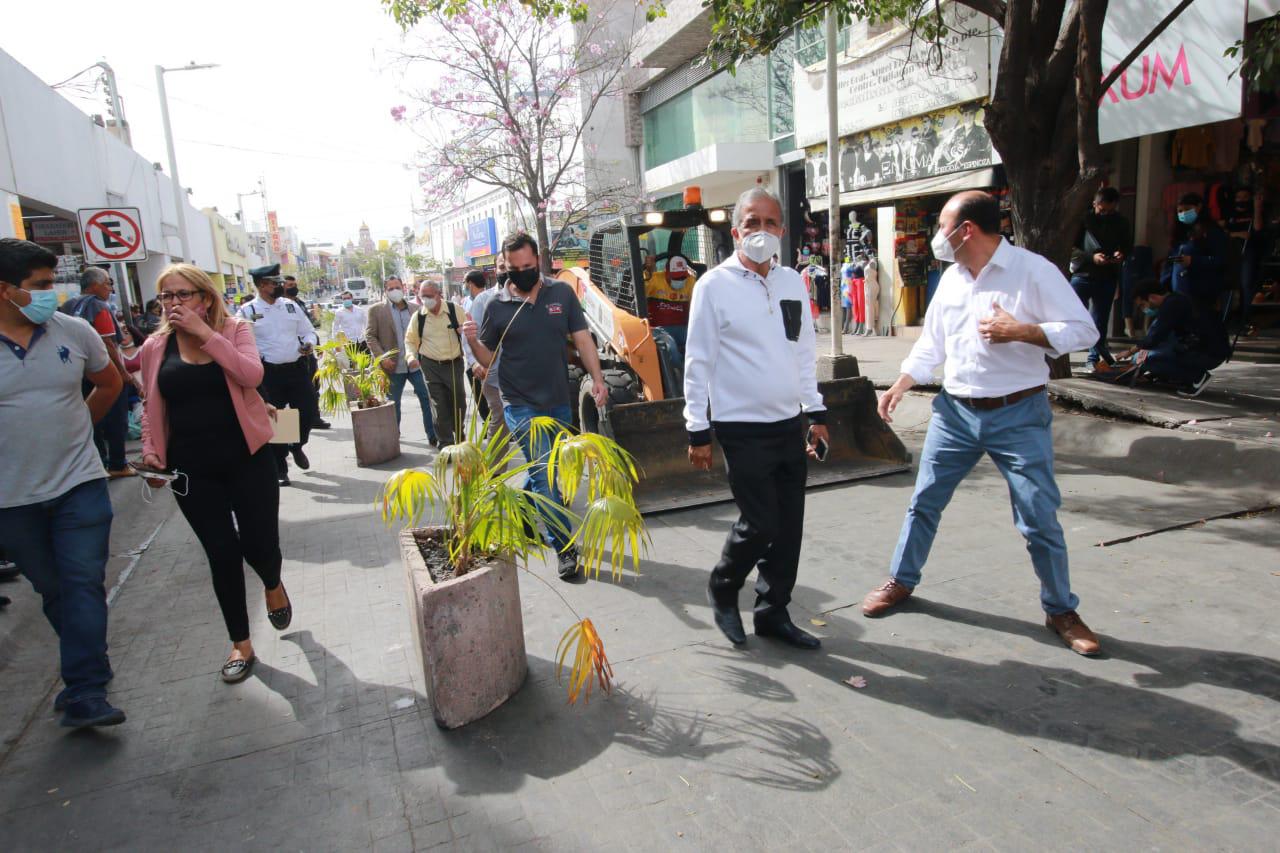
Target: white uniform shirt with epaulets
x: 278, y: 329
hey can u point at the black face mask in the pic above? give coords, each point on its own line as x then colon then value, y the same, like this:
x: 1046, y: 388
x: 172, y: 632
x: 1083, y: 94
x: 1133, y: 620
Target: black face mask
x: 524, y: 280
x: 277, y: 291
x: 291, y: 291
x: 503, y: 278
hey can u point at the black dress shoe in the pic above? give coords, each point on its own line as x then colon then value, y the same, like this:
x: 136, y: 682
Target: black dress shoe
x: 322, y: 425
x: 299, y: 458
x: 788, y: 632
x: 728, y: 620
x: 284, y: 480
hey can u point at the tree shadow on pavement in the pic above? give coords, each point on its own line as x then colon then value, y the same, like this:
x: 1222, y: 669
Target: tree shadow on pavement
x: 535, y: 734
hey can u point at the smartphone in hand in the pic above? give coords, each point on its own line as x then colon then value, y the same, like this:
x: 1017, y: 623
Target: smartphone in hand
x: 821, y: 447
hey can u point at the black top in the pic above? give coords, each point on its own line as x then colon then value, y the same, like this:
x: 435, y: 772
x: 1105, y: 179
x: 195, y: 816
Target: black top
x: 1107, y: 234
x: 533, y: 338
x: 204, y: 432
x: 1196, y: 329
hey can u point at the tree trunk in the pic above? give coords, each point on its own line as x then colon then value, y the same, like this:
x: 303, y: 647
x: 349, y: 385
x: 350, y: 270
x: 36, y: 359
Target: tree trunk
x: 543, y: 242
x: 1037, y: 124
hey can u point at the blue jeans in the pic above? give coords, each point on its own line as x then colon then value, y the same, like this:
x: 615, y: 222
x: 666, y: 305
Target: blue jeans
x: 518, y: 418
x: 414, y: 378
x: 1019, y: 440
x: 61, y: 545
x: 1097, y: 294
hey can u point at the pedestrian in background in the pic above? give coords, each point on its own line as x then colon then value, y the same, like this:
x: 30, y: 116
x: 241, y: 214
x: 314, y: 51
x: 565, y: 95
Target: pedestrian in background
x: 998, y: 311
x: 1197, y: 255
x: 433, y: 345
x: 751, y: 361
x: 1104, y: 241
x: 530, y: 319
x: 154, y: 316
x: 384, y: 332
x: 312, y: 413
x: 93, y: 305
x: 55, y: 513
x: 203, y: 417
x: 476, y: 285
x: 349, y: 321
x: 285, y: 338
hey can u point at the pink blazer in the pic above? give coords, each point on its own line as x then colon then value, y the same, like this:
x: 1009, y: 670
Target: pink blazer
x: 235, y: 349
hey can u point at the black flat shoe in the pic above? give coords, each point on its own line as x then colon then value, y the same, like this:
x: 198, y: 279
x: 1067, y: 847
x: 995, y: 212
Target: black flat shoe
x: 281, y: 618
x: 235, y: 671
x: 299, y: 458
x: 284, y: 480
x: 322, y: 425
x: 788, y: 632
x: 728, y: 620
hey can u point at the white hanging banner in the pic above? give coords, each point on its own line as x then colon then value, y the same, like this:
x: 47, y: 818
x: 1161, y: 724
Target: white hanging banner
x: 1182, y: 79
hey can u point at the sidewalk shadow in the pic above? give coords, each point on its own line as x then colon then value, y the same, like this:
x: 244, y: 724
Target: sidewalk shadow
x: 1175, y: 666
x: 536, y: 735
x: 327, y: 488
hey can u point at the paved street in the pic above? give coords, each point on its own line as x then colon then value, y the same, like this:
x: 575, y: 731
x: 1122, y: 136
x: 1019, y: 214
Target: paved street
x: 975, y: 728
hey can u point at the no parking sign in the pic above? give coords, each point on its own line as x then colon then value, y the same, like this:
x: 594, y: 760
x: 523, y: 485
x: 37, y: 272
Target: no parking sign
x: 112, y: 234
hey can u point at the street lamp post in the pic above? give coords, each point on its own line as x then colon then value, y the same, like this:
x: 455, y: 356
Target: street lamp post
x: 178, y: 201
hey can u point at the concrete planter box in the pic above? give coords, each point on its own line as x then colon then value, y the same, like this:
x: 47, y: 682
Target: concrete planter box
x: 469, y: 633
x: 376, y: 433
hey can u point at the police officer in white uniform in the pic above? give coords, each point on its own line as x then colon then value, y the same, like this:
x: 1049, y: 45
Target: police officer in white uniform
x: 285, y: 337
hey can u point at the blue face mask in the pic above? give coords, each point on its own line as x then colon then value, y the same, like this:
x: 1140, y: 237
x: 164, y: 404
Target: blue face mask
x: 1187, y: 217
x: 347, y: 303
x: 1149, y: 311
x: 44, y: 303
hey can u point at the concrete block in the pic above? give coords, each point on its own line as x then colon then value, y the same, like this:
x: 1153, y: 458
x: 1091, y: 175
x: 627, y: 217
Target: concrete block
x: 469, y: 634
x: 844, y: 366
x: 377, y: 435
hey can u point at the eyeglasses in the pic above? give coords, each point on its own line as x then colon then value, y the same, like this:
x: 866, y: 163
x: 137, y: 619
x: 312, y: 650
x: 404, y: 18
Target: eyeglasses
x: 180, y: 295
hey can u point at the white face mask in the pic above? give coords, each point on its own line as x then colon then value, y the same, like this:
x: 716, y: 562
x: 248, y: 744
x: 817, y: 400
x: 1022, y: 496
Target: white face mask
x: 760, y: 246
x: 942, y: 248
x: 431, y: 302
x: 395, y: 295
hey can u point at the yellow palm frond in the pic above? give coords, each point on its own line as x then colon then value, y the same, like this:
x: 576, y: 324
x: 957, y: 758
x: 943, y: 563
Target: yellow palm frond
x: 406, y: 494
x: 609, y: 469
x: 612, y: 523
x: 465, y: 461
x: 588, y: 660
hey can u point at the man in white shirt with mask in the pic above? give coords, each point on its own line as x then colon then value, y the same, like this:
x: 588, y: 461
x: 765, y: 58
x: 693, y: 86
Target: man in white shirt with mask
x: 349, y: 320
x: 750, y: 359
x: 998, y: 311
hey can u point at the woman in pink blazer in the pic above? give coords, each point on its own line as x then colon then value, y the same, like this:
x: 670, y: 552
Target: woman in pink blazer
x: 203, y: 417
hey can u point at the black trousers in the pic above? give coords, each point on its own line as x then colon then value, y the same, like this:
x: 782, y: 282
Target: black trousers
x: 477, y: 394
x: 289, y: 385
x: 235, y: 513
x: 767, y: 470
x: 312, y: 414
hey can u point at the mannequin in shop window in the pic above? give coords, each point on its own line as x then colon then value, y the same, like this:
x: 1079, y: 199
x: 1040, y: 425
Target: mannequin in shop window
x: 1197, y: 254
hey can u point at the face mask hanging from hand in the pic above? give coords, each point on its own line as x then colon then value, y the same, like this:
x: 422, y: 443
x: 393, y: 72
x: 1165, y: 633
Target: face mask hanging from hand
x: 761, y: 246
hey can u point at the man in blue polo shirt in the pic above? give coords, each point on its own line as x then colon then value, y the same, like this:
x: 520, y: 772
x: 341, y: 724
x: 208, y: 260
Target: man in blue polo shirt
x: 55, y: 514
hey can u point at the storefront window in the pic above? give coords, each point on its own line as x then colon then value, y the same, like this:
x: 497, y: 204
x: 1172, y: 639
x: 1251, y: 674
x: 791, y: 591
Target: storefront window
x: 782, y: 119
x: 725, y: 108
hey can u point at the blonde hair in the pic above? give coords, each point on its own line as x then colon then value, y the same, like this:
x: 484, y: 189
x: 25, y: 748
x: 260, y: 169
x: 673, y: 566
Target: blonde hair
x: 216, y: 315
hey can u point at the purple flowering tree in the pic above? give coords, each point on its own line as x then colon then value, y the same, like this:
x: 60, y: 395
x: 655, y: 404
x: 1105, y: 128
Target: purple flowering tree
x: 510, y: 99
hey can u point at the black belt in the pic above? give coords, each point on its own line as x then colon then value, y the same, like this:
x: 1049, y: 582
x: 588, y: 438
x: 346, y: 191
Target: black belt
x: 270, y: 364
x: 438, y: 361
x: 986, y: 404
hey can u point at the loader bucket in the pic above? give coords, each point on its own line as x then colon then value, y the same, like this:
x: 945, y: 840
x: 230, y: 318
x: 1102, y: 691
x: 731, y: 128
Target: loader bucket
x: 862, y: 445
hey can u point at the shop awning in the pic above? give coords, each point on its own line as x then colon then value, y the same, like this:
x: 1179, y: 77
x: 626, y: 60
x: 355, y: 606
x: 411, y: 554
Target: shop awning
x: 953, y: 183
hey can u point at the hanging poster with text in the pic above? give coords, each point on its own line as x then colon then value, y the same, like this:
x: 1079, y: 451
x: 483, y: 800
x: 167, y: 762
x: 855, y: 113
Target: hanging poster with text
x: 896, y: 79
x: 940, y: 143
x: 1181, y: 80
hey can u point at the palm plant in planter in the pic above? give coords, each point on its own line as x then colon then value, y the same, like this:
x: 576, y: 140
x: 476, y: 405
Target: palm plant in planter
x: 462, y: 572
x: 351, y: 381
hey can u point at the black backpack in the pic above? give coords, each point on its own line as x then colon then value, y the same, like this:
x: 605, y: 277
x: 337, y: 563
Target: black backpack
x: 453, y: 323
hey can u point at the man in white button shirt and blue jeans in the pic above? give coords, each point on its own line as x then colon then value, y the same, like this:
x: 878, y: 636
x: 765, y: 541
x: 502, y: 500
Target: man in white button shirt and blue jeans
x: 998, y: 311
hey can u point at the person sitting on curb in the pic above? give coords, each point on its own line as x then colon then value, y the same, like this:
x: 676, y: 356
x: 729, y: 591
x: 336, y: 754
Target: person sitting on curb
x: 1185, y: 341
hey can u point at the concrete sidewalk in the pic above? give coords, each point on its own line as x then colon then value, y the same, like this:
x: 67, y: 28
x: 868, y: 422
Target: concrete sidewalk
x: 975, y: 727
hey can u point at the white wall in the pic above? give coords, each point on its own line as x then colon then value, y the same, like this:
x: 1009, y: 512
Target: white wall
x: 55, y: 157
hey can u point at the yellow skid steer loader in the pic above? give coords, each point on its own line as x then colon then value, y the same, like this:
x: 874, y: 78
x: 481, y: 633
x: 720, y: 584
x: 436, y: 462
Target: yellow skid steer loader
x: 636, y: 293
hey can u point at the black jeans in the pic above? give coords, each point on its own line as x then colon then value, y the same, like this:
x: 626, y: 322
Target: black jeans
x: 289, y: 385
x: 477, y: 395
x: 767, y: 471
x: 235, y: 513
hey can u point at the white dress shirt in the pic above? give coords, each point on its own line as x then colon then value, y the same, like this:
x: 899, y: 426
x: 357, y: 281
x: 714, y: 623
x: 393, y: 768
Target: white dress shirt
x: 1024, y: 284
x: 278, y: 328
x: 350, y: 322
x: 739, y: 357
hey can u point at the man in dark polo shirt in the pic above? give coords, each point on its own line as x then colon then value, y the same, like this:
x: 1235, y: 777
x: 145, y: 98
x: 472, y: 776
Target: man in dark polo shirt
x: 528, y: 322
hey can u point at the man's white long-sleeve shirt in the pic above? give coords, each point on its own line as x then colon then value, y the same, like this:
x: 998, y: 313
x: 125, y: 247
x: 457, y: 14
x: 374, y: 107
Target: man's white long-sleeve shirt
x: 280, y: 328
x: 1024, y: 284
x: 750, y: 352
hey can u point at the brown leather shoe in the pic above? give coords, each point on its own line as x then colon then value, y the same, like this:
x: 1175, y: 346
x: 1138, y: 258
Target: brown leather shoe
x: 884, y: 598
x: 1071, y: 628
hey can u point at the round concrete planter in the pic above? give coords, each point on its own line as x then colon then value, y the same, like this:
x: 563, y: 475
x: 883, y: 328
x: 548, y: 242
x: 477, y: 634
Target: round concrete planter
x: 377, y: 435
x: 469, y: 634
